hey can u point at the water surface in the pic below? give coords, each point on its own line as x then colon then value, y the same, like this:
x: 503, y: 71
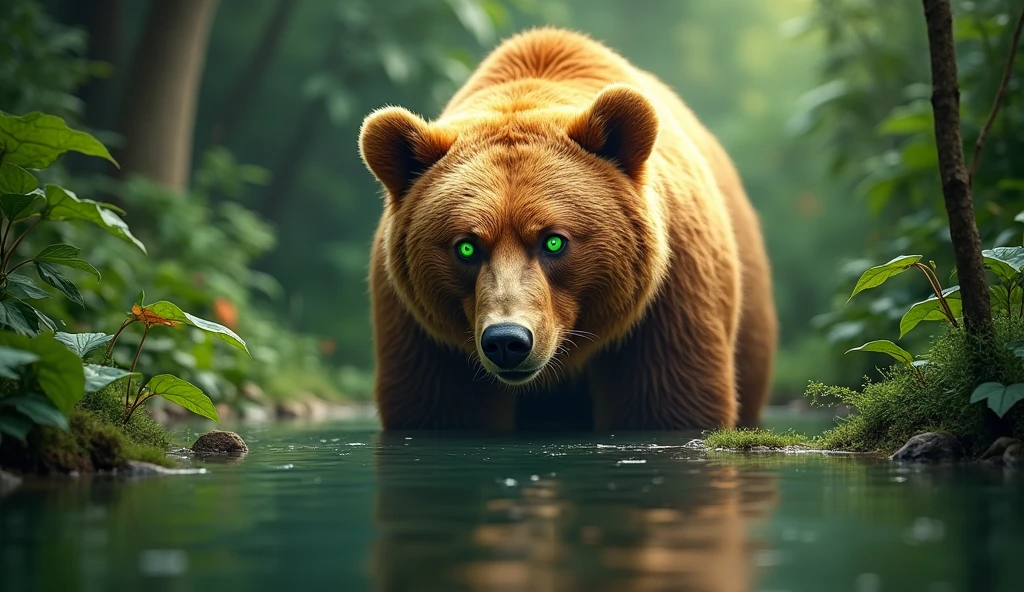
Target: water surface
x: 343, y: 507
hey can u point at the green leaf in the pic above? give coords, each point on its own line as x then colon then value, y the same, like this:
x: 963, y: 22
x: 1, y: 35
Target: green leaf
x: 35, y: 140
x: 66, y: 255
x: 931, y: 310
x: 62, y: 204
x: 16, y: 207
x: 58, y: 370
x: 19, y: 316
x: 37, y: 408
x: 1004, y: 262
x: 11, y: 359
x: 15, y: 424
x: 168, y: 311
x: 876, y: 276
x: 49, y: 273
x: 25, y: 287
x: 45, y: 320
x: 885, y: 346
x: 142, y: 297
x: 83, y: 343
x: 1017, y: 347
x: 183, y: 393
x: 98, y: 377
x: 16, y: 180
x: 1000, y: 398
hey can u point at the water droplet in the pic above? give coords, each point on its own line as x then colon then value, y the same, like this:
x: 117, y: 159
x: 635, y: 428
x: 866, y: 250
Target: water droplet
x: 509, y: 482
x: 285, y: 467
x: 534, y: 477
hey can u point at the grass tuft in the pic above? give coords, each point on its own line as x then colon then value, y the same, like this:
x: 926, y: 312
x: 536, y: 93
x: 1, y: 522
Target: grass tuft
x: 746, y: 439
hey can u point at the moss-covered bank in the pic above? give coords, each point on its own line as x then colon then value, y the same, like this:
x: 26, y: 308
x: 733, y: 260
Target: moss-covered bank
x: 95, y: 441
x: 888, y: 412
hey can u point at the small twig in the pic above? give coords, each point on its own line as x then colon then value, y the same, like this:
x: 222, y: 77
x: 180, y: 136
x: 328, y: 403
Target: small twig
x: 110, y: 348
x: 137, y: 404
x: 917, y: 373
x: 933, y: 281
x: 128, y: 389
x: 17, y: 242
x: 3, y: 239
x: 1000, y: 94
x: 15, y: 268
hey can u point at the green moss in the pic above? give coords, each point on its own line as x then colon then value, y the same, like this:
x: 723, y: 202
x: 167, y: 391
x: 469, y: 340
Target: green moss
x: 94, y: 441
x: 746, y: 439
x: 108, y: 405
x: 891, y: 411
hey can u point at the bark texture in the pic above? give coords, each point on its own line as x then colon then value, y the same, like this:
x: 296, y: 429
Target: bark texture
x: 159, y: 109
x: 956, y: 188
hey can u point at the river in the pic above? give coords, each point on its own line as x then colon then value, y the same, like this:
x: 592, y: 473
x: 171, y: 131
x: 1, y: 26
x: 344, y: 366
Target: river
x: 343, y: 507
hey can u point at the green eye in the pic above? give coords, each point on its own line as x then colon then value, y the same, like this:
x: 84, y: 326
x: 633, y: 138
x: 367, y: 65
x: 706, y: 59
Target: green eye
x: 465, y: 249
x: 554, y: 244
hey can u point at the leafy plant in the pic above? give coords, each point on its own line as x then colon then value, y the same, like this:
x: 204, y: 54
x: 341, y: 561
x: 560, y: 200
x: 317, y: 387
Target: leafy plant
x: 1005, y: 263
x: 49, y: 369
x: 173, y: 389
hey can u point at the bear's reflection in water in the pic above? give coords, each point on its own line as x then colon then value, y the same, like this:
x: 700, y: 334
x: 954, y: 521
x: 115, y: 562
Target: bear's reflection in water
x: 481, y: 515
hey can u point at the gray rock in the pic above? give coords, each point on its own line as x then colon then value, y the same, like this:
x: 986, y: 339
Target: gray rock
x: 253, y: 393
x: 8, y: 482
x: 291, y: 409
x: 220, y: 442
x: 1011, y: 456
x: 138, y: 468
x: 930, y: 447
x: 994, y: 454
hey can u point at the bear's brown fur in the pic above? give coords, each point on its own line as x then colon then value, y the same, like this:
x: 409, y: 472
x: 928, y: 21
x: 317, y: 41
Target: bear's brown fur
x: 657, y: 313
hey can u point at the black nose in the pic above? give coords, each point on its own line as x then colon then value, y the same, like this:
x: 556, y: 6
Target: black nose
x: 506, y: 344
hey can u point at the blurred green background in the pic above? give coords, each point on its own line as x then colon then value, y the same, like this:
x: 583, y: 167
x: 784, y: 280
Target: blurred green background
x: 823, y: 104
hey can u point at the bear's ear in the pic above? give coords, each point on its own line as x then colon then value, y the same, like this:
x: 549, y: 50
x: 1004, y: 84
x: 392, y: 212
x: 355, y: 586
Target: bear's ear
x: 621, y: 125
x: 398, y: 146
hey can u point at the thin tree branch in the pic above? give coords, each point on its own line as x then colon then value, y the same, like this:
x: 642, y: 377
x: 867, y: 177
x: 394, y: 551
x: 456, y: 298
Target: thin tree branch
x: 1000, y: 94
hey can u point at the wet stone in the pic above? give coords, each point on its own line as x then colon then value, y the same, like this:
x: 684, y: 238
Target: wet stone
x: 996, y: 451
x: 8, y: 482
x: 930, y: 447
x: 220, y: 443
x: 1011, y: 457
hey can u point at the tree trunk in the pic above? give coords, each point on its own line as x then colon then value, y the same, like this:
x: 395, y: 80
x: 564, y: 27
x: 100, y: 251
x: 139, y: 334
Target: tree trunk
x: 159, y: 109
x: 245, y: 87
x: 956, y: 189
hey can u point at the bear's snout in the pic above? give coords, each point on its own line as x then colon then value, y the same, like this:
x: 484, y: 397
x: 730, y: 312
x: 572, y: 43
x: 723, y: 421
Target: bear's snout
x: 506, y: 345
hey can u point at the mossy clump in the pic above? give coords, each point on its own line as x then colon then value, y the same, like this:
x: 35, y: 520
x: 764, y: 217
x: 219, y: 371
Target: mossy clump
x: 748, y: 439
x: 89, y: 444
x: 142, y: 429
x: 94, y: 441
x: 902, y: 405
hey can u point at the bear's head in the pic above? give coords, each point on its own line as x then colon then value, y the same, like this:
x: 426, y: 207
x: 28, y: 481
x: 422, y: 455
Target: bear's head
x: 530, y: 237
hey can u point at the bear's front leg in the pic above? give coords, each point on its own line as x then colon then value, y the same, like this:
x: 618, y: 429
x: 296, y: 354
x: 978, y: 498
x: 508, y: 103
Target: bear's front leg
x: 674, y: 371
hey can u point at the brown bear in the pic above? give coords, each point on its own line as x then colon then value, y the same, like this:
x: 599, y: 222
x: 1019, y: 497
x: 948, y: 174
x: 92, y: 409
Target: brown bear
x: 566, y: 246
